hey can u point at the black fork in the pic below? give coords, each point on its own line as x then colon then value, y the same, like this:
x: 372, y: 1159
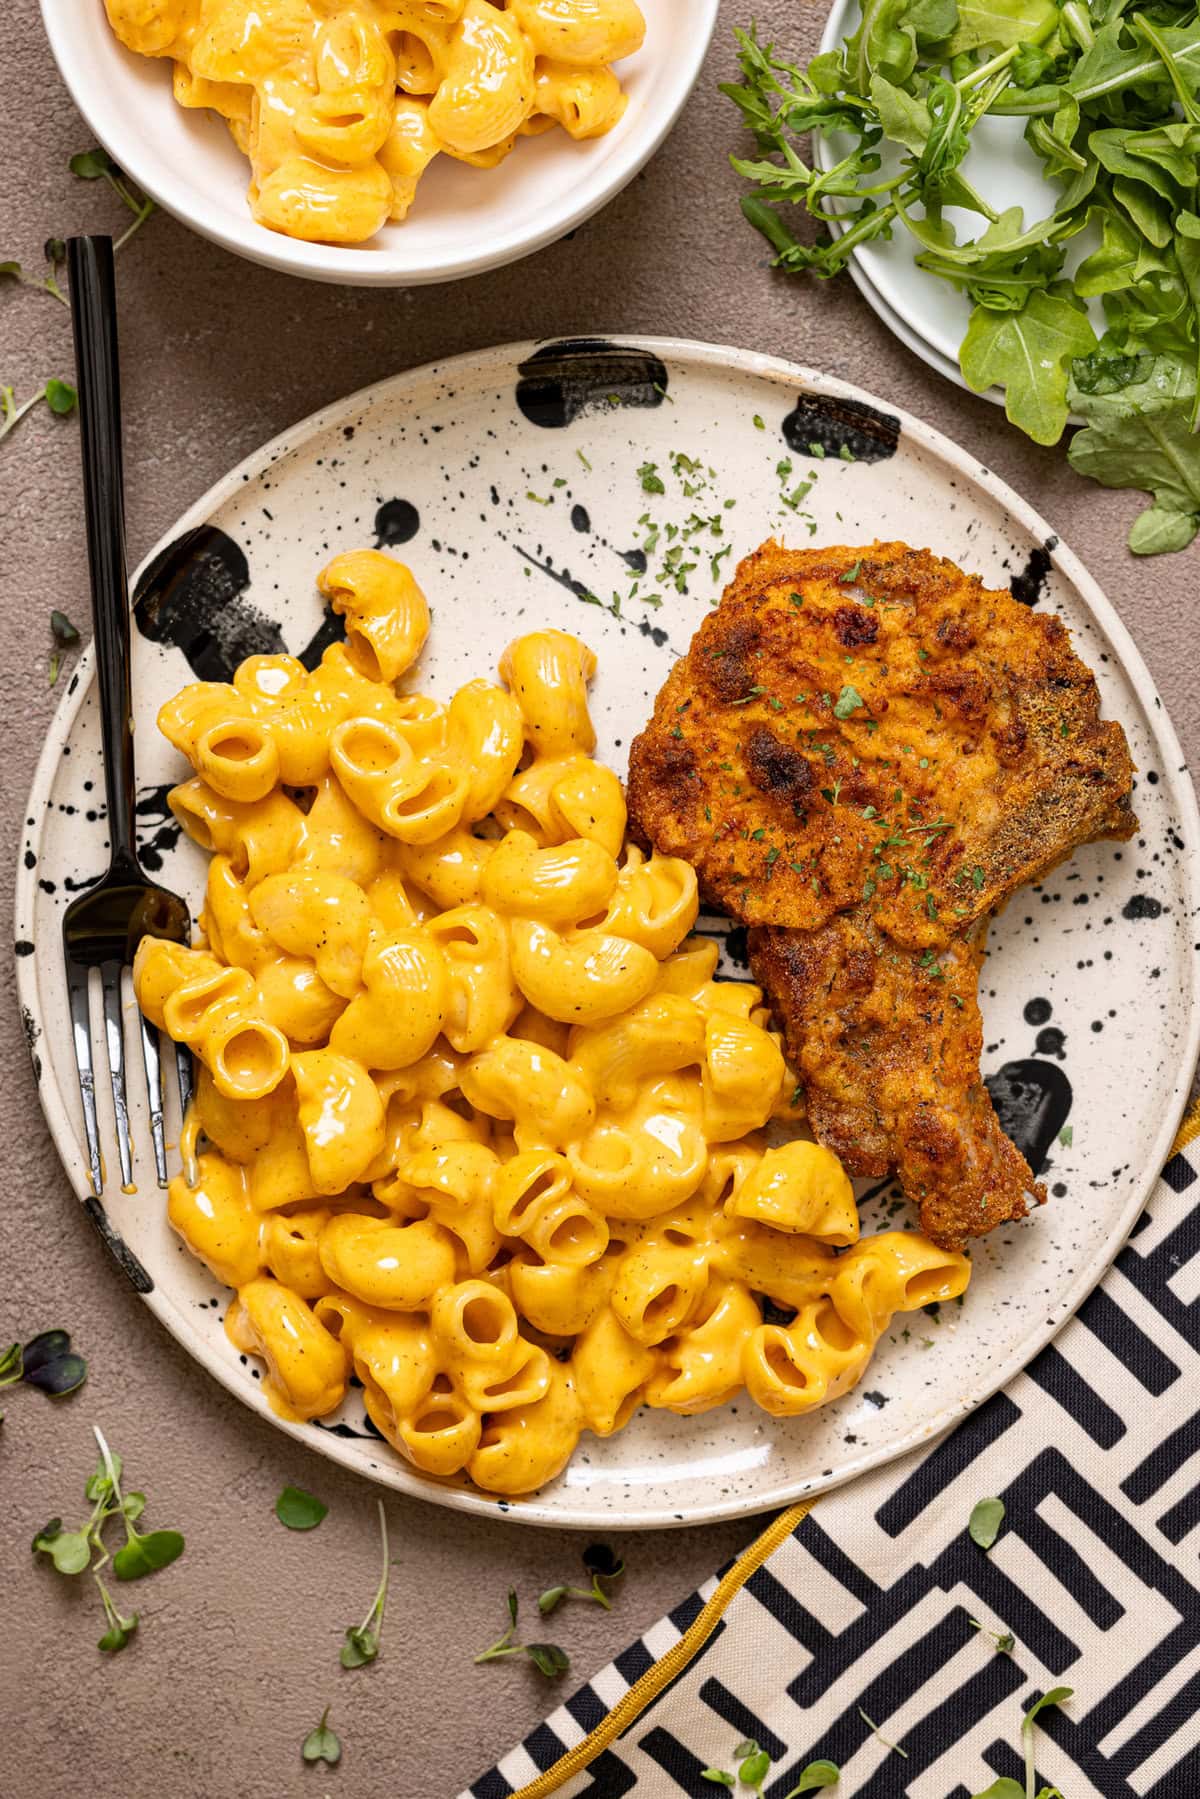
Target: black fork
x: 102, y: 927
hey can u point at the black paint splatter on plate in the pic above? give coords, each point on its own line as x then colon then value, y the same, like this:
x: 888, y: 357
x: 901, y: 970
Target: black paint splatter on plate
x: 837, y: 427
x: 562, y: 381
x: 192, y: 596
x: 396, y: 521
x: 1029, y: 586
x: 1033, y: 1102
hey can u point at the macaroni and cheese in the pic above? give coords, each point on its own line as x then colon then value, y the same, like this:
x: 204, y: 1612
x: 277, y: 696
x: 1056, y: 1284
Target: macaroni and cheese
x: 341, y: 105
x: 475, y: 1121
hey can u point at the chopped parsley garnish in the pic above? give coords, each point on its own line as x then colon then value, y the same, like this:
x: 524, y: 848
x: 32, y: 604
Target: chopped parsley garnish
x: 848, y: 702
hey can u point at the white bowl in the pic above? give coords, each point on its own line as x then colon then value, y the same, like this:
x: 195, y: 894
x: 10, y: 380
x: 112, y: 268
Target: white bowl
x: 464, y: 221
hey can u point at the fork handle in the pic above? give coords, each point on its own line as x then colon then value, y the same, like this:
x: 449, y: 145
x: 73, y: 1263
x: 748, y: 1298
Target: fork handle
x: 97, y: 370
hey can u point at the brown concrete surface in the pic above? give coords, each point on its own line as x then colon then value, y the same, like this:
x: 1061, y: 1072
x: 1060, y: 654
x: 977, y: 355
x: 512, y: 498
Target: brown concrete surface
x: 238, y: 1649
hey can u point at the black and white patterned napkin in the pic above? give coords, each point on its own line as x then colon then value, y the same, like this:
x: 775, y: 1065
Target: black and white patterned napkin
x: 862, y: 1638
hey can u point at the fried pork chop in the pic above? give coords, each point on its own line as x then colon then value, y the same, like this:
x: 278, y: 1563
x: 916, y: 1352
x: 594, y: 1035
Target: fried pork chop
x: 864, y: 753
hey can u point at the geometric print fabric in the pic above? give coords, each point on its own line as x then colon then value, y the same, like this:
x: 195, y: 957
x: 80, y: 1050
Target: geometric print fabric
x: 865, y: 1610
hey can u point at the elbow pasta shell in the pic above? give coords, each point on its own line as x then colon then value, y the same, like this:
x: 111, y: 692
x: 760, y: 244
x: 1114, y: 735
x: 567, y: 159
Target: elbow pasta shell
x: 486, y: 89
x: 309, y: 912
x: 581, y: 978
x: 742, y: 1075
x: 482, y: 999
x: 449, y: 871
x: 387, y: 616
x: 341, y: 1115
x: 799, y: 1187
x: 795, y: 1368
x: 259, y: 839
x: 701, y: 1365
x: 392, y: 1355
x: 581, y: 31
x: 393, y: 1021
x: 655, y: 903
x: 228, y: 923
x: 350, y: 115
x: 422, y: 45
x: 408, y: 149
x: 394, y: 1267
x: 586, y: 102
x: 522, y: 1081
x: 656, y: 1289
x: 561, y: 884
x: 610, y: 1369
x: 479, y: 1122
x: 484, y: 733
x: 658, y: 1036
x: 556, y: 1299
x: 216, y: 1220
x: 291, y: 1249
x: 548, y: 672
x: 522, y: 1448
x: 562, y: 797
x: 150, y: 27
x: 291, y: 993
x: 306, y: 1367
x: 638, y: 1167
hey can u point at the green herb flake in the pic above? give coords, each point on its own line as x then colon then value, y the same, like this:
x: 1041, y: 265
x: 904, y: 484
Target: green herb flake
x: 849, y: 701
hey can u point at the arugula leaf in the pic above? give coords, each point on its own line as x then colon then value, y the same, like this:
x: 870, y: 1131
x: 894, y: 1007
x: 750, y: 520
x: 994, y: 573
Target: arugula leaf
x: 1138, y: 434
x: 999, y: 24
x: 1002, y: 1789
x: 1028, y: 352
x: 905, y: 117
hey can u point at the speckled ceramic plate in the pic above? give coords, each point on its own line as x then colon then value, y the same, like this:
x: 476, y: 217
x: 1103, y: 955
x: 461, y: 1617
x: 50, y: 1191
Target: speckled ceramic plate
x: 511, y: 482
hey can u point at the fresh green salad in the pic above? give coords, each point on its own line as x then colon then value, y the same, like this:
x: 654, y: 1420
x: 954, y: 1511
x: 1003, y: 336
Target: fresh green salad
x: 1110, y: 98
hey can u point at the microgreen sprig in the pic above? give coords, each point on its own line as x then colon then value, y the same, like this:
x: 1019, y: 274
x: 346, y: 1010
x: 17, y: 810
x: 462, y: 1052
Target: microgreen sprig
x: 322, y: 1744
x: 97, y: 165
x: 603, y: 1565
x: 547, y: 1658
x: 754, y: 1766
x: 362, y: 1640
x: 73, y: 1552
x: 1007, y: 1788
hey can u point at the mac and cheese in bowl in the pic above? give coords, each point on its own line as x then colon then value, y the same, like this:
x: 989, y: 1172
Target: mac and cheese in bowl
x: 475, y: 1121
x: 341, y: 105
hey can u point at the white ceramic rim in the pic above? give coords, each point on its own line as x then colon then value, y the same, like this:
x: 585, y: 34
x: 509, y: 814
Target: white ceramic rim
x: 501, y: 362
x: 354, y: 267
